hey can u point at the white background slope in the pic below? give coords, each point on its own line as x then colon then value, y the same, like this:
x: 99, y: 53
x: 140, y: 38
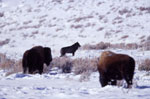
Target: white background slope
x: 58, y: 23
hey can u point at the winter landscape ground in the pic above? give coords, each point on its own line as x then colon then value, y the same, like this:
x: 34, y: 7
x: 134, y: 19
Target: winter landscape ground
x: 59, y: 23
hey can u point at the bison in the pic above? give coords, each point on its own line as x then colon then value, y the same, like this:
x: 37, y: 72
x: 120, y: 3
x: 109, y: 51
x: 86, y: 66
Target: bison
x: 70, y: 49
x: 34, y: 59
x: 113, y: 67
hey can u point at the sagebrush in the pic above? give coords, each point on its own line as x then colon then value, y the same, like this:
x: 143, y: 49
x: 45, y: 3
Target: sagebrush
x: 144, y: 65
x: 10, y: 65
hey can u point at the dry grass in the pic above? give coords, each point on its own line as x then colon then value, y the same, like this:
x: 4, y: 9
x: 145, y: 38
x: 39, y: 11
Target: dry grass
x: 76, y: 26
x: 83, y: 18
x: 98, y: 46
x: 106, y: 45
x: 81, y: 66
x: 125, y: 37
x: 6, y: 41
x: 63, y: 63
x: 1, y: 14
x: 78, y: 66
x: 147, y: 9
x: 16, y: 67
x: 146, y: 44
x: 144, y: 65
x: 124, y: 11
x: 10, y: 66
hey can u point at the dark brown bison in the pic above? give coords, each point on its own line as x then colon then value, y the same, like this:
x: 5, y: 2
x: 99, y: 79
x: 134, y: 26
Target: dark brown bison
x: 70, y: 49
x: 113, y: 67
x: 34, y: 59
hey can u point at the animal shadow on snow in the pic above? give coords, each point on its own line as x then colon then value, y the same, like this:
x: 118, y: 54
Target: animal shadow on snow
x: 22, y: 75
x: 142, y: 87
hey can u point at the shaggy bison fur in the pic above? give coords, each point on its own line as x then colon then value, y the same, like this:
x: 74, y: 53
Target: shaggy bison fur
x: 34, y: 59
x: 113, y: 67
x: 70, y: 49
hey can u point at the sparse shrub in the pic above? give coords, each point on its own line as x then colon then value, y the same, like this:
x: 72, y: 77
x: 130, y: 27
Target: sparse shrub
x: 107, y: 35
x: 83, y: 18
x: 146, y: 45
x: 81, y: 65
x: 71, y: 1
x: 142, y: 37
x: 78, y: 66
x: 66, y: 68
x: 57, y: 1
x: 4, y: 42
x: 85, y: 76
x: 120, y: 45
x: 27, y: 22
x: 1, y: 14
x: 125, y: 36
x: 16, y: 67
x: 63, y: 63
x: 124, y: 11
x: 145, y: 9
x: 98, y: 46
x: 102, y: 45
x: 9, y: 65
x: 76, y: 26
x: 101, y: 17
x: 144, y: 65
x: 131, y: 46
x: 100, y: 29
x: 148, y: 38
x: 105, y: 45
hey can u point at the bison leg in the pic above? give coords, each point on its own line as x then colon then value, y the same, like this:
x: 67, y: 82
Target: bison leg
x: 128, y: 79
x: 40, y: 69
x: 24, y: 69
x: 113, y: 82
x: 103, y: 81
x: 30, y: 70
x: 24, y: 65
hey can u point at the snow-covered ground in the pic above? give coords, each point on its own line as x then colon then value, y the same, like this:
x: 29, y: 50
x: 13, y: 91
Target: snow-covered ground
x: 59, y: 23
x: 68, y: 86
x: 55, y: 85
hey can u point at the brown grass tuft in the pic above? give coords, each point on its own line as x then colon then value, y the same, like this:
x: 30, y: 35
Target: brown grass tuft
x: 63, y: 63
x: 6, y: 41
x: 144, y: 65
x: 81, y: 65
x: 9, y: 65
x: 98, y: 46
x: 78, y: 66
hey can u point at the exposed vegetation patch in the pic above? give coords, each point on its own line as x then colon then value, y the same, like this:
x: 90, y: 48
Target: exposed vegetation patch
x: 144, y: 65
x: 9, y: 65
x: 130, y: 46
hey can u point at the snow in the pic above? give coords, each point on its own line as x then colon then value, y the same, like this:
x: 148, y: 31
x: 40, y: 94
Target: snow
x: 59, y: 23
x: 67, y: 86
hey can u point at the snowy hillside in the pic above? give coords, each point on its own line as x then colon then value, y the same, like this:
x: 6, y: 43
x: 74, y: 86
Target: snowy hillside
x: 57, y: 23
